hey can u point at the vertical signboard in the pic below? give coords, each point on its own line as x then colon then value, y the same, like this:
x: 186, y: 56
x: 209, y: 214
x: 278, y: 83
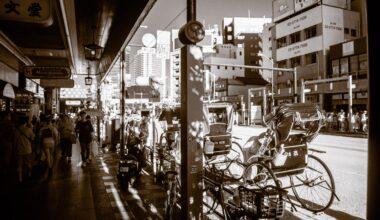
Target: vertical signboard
x: 332, y: 27
x: 282, y: 9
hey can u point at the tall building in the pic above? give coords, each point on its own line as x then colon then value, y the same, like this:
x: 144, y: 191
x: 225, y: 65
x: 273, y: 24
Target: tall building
x: 301, y: 37
x: 211, y: 39
x: 163, y: 44
x: 246, y: 33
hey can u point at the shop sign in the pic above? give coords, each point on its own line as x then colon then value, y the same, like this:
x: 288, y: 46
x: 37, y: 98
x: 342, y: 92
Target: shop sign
x: 31, y: 11
x: 8, y: 91
x: 47, y: 72
x: 57, y: 83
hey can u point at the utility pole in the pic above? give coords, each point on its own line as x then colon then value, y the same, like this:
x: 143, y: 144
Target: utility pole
x: 191, y: 116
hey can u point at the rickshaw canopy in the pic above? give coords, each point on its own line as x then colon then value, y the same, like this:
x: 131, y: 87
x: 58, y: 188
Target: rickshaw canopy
x: 218, y: 117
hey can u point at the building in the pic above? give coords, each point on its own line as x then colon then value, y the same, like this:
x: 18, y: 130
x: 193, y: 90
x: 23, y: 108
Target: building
x: 302, y: 35
x: 246, y: 33
x: 348, y: 58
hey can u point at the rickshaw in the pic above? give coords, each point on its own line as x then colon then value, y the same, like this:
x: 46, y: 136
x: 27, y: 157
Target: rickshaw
x: 219, y: 148
x: 287, y: 153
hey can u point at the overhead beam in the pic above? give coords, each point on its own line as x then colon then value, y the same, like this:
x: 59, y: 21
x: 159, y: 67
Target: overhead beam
x: 12, y: 48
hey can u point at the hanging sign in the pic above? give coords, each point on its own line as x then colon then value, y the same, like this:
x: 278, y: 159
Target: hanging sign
x: 47, y: 72
x: 57, y: 83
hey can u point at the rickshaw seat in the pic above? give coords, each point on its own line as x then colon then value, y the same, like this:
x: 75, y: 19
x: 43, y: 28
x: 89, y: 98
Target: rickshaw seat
x: 218, y: 128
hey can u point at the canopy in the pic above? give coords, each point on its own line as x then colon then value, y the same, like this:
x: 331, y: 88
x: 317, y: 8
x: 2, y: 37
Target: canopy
x: 218, y: 113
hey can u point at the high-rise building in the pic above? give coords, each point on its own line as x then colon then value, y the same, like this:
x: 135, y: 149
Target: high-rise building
x: 163, y: 44
x: 246, y: 33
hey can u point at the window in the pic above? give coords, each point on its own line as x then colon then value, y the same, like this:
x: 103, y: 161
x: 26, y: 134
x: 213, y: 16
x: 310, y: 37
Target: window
x: 295, y: 61
x: 311, y: 58
x: 240, y: 53
x: 354, y: 64
x: 344, y: 66
x: 281, y: 42
x: 269, y: 38
x: 295, y: 37
x: 353, y: 33
x: 281, y: 64
x: 233, y: 68
x: 363, y: 62
x: 218, y: 67
x: 311, y: 32
x: 335, y: 68
x: 225, y: 67
x: 346, y: 31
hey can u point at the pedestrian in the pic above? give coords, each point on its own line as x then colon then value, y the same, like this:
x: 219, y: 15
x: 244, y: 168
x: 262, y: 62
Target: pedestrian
x: 24, y: 137
x: 342, y: 120
x: 49, y: 140
x: 7, y: 131
x: 355, y: 120
x: 66, y: 129
x: 90, y: 153
x: 364, y: 121
x: 84, y: 130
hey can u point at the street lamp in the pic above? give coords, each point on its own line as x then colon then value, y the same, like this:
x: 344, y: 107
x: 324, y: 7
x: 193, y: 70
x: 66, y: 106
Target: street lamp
x: 272, y: 86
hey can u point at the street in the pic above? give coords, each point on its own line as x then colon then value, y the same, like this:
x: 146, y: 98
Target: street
x: 347, y: 159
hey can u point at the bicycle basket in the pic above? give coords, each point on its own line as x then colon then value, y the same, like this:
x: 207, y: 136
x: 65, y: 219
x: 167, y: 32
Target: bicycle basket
x: 267, y: 202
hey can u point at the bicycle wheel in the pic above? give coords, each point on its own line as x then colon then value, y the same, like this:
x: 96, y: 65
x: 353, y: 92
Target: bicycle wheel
x: 171, y: 198
x: 258, y: 174
x: 315, y: 187
x: 163, y: 141
x: 236, y: 152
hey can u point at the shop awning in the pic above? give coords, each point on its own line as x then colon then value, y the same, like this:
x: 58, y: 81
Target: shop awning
x: 6, y: 90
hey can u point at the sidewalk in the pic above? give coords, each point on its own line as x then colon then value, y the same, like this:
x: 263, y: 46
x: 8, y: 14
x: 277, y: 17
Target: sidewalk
x: 74, y: 192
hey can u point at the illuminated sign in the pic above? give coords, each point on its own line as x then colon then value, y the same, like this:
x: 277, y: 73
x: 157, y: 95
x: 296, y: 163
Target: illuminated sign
x: 73, y: 102
x: 47, y: 72
x: 32, y: 11
x: 30, y: 86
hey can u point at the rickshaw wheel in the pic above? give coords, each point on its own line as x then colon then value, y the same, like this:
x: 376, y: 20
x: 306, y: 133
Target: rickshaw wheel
x: 315, y: 187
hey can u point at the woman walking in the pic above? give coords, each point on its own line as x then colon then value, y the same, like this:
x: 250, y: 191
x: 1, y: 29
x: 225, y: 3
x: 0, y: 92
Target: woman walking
x: 66, y: 129
x: 23, y: 141
x: 49, y: 138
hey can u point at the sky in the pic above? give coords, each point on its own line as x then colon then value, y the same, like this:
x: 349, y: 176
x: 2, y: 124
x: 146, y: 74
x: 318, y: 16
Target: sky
x: 171, y: 14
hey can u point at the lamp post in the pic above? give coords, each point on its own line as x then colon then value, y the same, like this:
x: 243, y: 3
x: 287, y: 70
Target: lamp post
x: 272, y: 86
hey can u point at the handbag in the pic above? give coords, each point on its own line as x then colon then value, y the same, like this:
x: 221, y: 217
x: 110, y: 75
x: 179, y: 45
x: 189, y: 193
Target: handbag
x: 73, y: 138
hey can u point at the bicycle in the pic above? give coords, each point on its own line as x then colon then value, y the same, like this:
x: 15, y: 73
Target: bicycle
x: 258, y: 196
x: 172, y: 188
